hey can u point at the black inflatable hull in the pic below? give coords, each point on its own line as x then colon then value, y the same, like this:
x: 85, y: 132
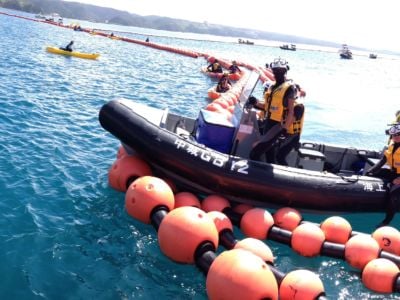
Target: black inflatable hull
x: 205, y: 171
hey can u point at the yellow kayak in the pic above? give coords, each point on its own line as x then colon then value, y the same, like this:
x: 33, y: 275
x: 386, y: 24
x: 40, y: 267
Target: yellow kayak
x: 57, y: 50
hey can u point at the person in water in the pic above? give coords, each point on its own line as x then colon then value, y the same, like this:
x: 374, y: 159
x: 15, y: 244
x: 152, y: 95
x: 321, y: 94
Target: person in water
x: 233, y: 68
x: 278, y: 107
x: 224, y: 84
x: 215, y: 67
x: 68, y: 47
x: 391, y: 158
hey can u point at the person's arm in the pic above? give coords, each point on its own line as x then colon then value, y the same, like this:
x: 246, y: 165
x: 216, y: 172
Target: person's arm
x: 290, y: 98
x: 375, y: 168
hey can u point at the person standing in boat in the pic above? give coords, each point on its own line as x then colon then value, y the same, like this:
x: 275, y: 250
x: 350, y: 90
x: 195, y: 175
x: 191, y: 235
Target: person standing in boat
x: 278, y: 107
x: 68, y: 47
x: 215, y: 67
x: 391, y: 158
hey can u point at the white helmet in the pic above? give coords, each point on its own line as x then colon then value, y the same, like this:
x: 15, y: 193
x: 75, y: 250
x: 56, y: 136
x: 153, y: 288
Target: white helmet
x: 279, y: 63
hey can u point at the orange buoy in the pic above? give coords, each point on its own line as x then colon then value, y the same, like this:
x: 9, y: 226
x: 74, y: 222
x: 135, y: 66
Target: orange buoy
x: 221, y: 221
x: 336, y: 229
x: 360, y: 250
x: 125, y: 170
x: 301, y: 284
x: 388, y: 239
x: 379, y: 275
x: 242, y: 208
x: 214, y: 202
x: 146, y: 193
x: 222, y: 102
x: 307, y: 239
x: 257, y: 247
x: 214, y: 106
x: 287, y: 218
x: 186, y: 199
x: 213, y: 94
x: 256, y: 223
x: 239, y: 274
x: 183, y: 230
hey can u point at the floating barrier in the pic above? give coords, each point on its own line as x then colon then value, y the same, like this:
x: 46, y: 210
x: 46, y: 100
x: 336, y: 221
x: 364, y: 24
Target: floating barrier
x: 189, y: 235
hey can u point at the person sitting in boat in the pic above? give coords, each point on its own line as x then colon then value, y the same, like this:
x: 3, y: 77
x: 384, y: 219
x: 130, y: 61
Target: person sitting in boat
x: 234, y: 68
x: 214, y: 67
x: 147, y: 40
x: 68, y: 47
x: 278, y: 107
x: 111, y: 34
x: 224, y: 84
x: 391, y: 158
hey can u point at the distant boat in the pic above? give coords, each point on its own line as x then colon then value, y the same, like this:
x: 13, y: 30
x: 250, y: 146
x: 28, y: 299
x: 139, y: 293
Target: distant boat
x: 40, y: 16
x: 247, y: 42
x: 373, y: 55
x: 54, y: 17
x: 291, y: 47
x: 345, y: 52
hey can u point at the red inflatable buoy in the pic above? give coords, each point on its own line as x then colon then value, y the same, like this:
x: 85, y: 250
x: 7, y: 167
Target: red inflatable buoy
x: 239, y: 274
x: 379, y: 275
x: 214, y: 203
x: 287, y: 218
x: 256, y: 247
x: 146, y: 193
x: 183, y: 230
x: 336, y: 229
x: 127, y: 169
x: 301, y: 284
x: 186, y: 199
x: 256, y: 223
x: 360, y: 250
x: 221, y: 221
x: 388, y: 239
x: 307, y: 239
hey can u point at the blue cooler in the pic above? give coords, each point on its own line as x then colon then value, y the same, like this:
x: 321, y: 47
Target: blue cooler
x: 215, y: 131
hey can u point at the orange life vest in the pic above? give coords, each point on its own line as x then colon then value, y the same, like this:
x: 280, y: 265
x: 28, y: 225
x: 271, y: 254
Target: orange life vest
x: 393, y: 159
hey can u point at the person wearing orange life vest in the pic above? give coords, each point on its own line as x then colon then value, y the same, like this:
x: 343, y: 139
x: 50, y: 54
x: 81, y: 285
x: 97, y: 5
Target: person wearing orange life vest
x: 278, y: 107
x: 391, y: 158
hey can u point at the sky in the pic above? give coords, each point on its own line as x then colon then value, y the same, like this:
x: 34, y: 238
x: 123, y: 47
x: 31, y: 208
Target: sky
x: 364, y: 23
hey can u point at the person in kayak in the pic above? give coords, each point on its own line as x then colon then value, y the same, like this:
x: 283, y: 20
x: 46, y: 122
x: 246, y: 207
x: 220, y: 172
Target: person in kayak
x: 233, y: 68
x: 215, y: 67
x: 278, y: 108
x: 391, y: 158
x: 224, y: 84
x: 68, y: 47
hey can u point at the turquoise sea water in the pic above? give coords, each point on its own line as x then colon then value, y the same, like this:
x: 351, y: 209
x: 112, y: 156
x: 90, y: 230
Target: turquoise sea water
x: 64, y: 232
